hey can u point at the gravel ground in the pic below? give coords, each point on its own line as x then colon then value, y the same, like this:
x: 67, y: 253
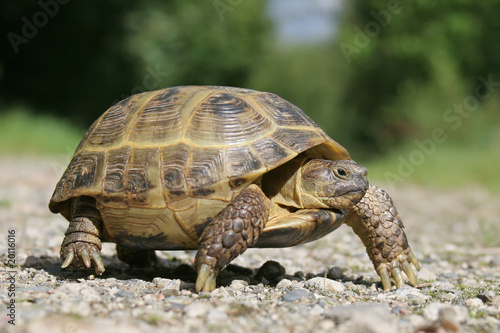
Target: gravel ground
x: 328, y: 285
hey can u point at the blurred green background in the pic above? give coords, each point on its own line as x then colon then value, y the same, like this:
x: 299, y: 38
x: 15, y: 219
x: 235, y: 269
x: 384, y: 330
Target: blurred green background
x: 411, y: 88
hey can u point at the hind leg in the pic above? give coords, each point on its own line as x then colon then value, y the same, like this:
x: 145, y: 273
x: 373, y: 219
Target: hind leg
x: 82, y: 241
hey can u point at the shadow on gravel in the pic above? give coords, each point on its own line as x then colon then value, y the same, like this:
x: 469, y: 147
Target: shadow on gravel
x: 270, y: 273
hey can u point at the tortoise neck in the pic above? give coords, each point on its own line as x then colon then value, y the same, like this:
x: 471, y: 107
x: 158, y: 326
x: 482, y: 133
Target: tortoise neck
x: 283, y: 186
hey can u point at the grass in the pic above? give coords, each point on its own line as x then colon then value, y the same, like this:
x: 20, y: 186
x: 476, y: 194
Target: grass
x: 489, y: 232
x: 4, y: 203
x: 23, y: 132
x: 449, y: 165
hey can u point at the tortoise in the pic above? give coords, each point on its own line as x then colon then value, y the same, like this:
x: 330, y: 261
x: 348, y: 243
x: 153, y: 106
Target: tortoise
x: 218, y: 169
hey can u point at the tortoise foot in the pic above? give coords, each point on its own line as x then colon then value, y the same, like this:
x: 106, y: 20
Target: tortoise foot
x: 376, y: 221
x: 231, y: 232
x: 401, y: 264
x: 81, y: 255
x: 206, y: 279
x: 82, y: 243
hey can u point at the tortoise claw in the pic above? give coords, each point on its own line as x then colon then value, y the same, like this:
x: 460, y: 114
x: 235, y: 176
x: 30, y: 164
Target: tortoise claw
x: 206, y: 279
x: 386, y: 282
x: 396, y: 274
x: 410, y: 273
x: 414, y: 260
x: 99, y: 266
x: 399, y: 265
x: 69, y: 258
x: 86, y: 258
x: 80, y: 255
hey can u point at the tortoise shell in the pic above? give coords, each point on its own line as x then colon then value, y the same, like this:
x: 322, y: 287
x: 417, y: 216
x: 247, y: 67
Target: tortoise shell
x: 185, y: 148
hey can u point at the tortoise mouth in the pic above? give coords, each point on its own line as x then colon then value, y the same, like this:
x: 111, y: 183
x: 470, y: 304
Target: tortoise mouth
x: 344, y: 200
x: 357, y: 191
x: 341, y: 213
x: 346, y: 193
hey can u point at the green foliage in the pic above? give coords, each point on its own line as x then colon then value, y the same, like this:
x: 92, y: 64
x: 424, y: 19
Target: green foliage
x: 198, y: 42
x: 449, y: 165
x: 22, y: 132
x: 89, y: 55
x: 310, y: 78
x: 412, y: 61
x: 73, y: 65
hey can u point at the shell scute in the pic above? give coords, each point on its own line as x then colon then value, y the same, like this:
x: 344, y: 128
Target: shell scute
x: 220, y: 118
x: 115, y: 171
x: 297, y: 139
x: 243, y: 162
x: 271, y: 153
x: 110, y: 128
x: 206, y: 167
x: 284, y: 113
x: 173, y: 162
x: 159, y: 120
x: 141, y: 175
x: 82, y: 177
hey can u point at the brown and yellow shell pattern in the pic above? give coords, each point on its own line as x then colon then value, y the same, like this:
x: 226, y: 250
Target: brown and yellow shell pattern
x: 161, y: 162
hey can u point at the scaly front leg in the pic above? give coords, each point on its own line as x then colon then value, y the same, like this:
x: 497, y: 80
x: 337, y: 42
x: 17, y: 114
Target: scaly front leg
x: 375, y: 220
x: 231, y: 232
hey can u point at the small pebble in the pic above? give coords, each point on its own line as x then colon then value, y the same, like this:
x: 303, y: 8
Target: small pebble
x: 335, y: 273
x: 39, y: 279
x: 124, y: 294
x: 170, y: 292
x: 495, y: 262
x: 271, y: 270
x: 295, y: 295
x: 448, y: 319
x: 197, y: 309
x: 486, y: 296
x: 238, y: 284
x: 440, y: 285
x: 433, y: 311
x: 426, y: 274
x: 324, y: 285
x: 167, y: 284
x: 449, y: 275
x: 284, y: 284
x: 474, y: 303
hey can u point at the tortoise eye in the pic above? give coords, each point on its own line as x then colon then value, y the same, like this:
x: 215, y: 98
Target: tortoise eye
x: 341, y: 173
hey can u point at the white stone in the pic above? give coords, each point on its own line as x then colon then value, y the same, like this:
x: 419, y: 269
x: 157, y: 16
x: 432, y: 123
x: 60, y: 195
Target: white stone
x: 238, y: 284
x: 197, y: 309
x: 167, y: 283
x: 474, y: 303
x: 324, y: 284
x: 68, y: 290
x: 284, y: 284
x: 439, y: 285
x: 373, y: 318
x: 426, y: 274
x: 432, y: 311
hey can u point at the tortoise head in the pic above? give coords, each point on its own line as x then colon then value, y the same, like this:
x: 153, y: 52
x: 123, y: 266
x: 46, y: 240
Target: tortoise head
x: 337, y: 184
